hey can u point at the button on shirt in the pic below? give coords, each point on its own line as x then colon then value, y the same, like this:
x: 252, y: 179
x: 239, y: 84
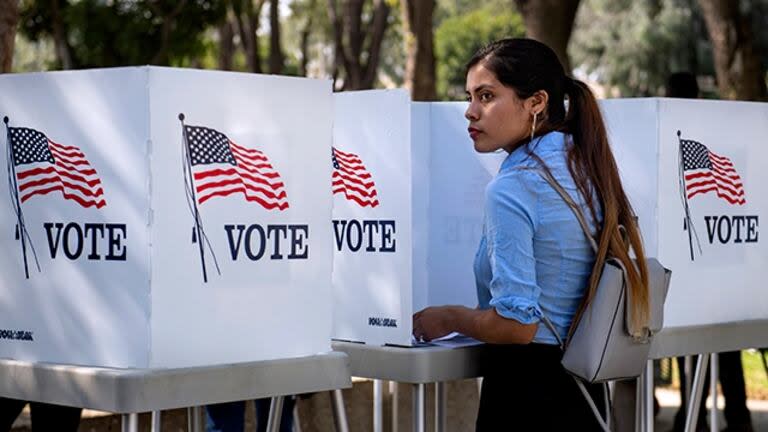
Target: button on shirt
x: 534, y: 257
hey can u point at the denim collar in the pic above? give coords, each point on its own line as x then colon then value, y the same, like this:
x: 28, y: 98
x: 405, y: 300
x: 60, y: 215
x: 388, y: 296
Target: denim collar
x: 541, y: 145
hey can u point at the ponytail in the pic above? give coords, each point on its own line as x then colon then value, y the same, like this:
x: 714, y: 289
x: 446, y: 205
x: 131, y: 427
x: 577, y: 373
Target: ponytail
x: 594, y: 170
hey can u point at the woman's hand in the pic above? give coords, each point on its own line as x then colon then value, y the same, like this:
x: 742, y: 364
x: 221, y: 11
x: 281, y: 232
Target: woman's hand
x: 485, y: 325
x: 433, y: 322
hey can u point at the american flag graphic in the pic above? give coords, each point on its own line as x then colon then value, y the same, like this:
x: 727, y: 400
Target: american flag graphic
x: 352, y: 179
x: 51, y: 167
x: 705, y: 171
x: 220, y: 167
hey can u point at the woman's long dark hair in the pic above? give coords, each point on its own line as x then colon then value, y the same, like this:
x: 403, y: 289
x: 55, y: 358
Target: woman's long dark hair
x: 528, y: 66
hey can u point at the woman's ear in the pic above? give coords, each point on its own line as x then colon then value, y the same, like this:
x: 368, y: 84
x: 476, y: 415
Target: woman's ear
x: 537, y: 103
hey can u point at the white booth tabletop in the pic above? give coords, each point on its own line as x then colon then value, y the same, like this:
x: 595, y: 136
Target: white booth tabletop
x: 142, y: 390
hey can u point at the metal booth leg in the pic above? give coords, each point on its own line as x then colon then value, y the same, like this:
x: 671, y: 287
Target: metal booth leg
x: 275, y: 413
x: 156, y: 421
x: 419, y: 407
x: 130, y: 422
x: 193, y: 419
x: 395, y: 403
x: 713, y: 378
x: 296, y: 418
x: 648, y: 384
x: 640, y: 401
x: 695, y: 396
x: 339, y: 413
x: 378, y: 405
x: 688, y: 366
x: 440, y: 401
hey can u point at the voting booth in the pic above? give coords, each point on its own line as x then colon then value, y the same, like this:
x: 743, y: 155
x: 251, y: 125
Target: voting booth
x: 694, y: 172
x: 690, y: 167
x: 407, y: 216
x: 159, y: 217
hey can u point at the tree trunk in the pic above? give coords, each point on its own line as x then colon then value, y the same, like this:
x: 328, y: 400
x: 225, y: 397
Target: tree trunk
x: 419, y: 47
x: 161, y: 56
x: 740, y: 75
x: 359, y: 60
x: 378, y: 26
x: 9, y: 18
x: 226, y: 43
x: 354, y: 47
x: 550, y: 22
x: 275, y: 49
x: 60, y: 42
x: 247, y: 15
x: 339, y: 59
x: 304, y: 42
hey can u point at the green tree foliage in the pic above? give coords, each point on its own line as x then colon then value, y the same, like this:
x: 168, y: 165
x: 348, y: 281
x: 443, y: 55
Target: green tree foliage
x: 97, y: 33
x: 633, y: 46
x: 309, y: 21
x: 453, y: 8
x: 32, y: 56
x: 392, y: 62
x: 458, y: 37
x: 740, y: 70
x: 307, y: 31
x: 757, y: 11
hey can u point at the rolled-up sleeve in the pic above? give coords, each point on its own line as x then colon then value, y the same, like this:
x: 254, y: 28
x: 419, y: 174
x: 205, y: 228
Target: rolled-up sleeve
x: 510, y: 227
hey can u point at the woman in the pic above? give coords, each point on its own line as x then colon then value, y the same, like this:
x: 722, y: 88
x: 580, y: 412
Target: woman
x: 534, y: 259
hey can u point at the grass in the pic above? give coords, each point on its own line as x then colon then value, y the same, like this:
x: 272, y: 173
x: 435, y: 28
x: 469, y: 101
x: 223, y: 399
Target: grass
x: 755, y: 376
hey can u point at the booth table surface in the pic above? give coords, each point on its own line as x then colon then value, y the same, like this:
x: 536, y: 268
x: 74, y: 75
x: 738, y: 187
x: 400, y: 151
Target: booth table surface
x: 416, y: 365
x: 142, y: 390
x: 710, y: 339
x: 429, y: 364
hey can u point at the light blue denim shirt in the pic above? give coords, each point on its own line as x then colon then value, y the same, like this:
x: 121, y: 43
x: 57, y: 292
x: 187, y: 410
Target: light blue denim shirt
x: 533, y: 257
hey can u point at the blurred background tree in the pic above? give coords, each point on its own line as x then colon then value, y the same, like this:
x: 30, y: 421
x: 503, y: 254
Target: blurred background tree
x: 631, y: 47
x: 9, y: 18
x: 551, y: 22
x: 740, y: 70
x: 239, y: 29
x: 621, y: 47
x: 94, y: 33
x: 358, y: 33
x: 418, y: 35
x: 460, y: 35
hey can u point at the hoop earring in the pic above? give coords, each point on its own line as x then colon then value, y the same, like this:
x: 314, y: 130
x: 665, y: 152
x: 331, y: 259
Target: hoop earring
x: 533, y: 126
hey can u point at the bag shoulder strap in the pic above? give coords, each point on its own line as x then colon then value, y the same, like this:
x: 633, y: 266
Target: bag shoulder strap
x: 546, y: 175
x: 604, y: 422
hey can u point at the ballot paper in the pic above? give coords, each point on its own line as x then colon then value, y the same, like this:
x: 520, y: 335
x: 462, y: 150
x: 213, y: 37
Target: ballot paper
x: 451, y: 340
